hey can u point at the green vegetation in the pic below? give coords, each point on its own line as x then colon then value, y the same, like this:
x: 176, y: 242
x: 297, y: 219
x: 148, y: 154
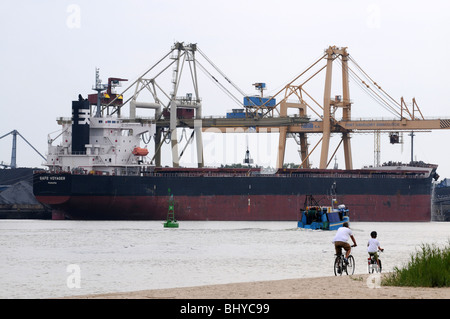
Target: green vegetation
x: 429, y: 267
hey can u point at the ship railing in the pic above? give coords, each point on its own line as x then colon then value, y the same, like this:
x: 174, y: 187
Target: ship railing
x: 316, y: 175
x: 134, y: 171
x: 60, y: 151
x: 298, y: 175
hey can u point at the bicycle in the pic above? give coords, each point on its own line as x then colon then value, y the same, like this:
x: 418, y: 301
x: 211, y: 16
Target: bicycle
x: 340, y: 265
x: 372, y: 264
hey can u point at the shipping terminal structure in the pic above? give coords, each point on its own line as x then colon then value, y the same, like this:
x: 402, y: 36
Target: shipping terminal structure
x: 100, y: 170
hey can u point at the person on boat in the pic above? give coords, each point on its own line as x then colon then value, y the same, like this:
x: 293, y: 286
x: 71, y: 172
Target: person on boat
x: 340, y: 240
x: 373, y: 246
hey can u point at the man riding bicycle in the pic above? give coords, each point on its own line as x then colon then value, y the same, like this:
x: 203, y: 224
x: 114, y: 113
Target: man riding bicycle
x: 340, y: 240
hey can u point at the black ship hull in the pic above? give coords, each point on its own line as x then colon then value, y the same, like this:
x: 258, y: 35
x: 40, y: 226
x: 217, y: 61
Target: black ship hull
x: 238, y: 195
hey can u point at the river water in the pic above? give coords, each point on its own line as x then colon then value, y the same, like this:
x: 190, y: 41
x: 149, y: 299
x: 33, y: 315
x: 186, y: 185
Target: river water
x: 49, y: 258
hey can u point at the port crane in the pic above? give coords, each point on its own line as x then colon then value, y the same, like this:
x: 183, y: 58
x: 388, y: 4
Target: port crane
x: 173, y: 111
x: 271, y: 114
x: 405, y: 118
x: 14, y: 134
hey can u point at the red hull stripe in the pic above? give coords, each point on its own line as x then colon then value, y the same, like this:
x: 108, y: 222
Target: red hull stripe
x: 380, y: 208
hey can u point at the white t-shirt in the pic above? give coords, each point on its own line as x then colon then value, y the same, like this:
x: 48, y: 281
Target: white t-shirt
x: 373, y: 245
x: 343, y: 234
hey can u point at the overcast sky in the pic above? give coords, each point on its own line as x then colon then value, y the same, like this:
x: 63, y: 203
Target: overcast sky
x: 50, y: 49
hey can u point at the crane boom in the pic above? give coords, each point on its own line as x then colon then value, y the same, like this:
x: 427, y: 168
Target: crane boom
x: 372, y: 125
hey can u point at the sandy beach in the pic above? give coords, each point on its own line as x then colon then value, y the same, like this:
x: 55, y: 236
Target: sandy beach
x: 351, y: 287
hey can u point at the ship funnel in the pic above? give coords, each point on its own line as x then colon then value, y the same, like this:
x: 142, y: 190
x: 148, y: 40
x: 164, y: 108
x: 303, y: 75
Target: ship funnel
x: 80, y: 125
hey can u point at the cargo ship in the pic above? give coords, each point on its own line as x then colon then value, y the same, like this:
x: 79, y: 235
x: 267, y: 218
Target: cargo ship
x: 99, y: 171
x: 235, y: 194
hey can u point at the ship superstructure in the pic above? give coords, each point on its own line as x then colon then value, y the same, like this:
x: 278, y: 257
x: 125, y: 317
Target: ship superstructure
x: 99, y: 144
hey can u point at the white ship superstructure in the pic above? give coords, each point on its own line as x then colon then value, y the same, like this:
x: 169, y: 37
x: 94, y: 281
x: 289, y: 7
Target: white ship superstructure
x: 114, y: 146
x: 99, y: 144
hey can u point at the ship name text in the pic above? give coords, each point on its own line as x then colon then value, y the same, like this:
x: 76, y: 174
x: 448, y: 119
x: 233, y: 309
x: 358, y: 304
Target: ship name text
x: 52, y: 178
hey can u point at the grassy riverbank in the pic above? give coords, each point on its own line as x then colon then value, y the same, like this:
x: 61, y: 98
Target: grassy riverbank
x: 428, y: 267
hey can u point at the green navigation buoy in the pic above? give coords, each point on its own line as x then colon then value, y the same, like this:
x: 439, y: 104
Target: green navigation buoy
x: 171, y: 221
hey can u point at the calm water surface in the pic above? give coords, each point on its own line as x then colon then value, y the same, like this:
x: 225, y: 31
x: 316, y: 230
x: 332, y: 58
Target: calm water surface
x: 41, y: 258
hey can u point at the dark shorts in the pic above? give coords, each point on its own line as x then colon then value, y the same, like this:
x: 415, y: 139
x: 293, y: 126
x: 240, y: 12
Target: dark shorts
x: 338, y: 245
x: 375, y: 254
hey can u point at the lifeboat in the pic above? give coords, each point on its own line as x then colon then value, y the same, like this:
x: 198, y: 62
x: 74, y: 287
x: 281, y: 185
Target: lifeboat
x: 139, y: 151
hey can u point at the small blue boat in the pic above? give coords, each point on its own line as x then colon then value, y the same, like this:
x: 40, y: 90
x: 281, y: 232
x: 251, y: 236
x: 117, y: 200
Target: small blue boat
x: 315, y: 216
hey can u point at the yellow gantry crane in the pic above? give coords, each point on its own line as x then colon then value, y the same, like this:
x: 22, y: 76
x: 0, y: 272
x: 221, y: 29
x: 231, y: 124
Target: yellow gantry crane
x: 406, y: 118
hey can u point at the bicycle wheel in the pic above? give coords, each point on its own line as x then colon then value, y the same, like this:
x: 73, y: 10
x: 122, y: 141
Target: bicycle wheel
x: 379, y: 267
x: 338, y: 266
x: 369, y: 267
x: 350, y: 269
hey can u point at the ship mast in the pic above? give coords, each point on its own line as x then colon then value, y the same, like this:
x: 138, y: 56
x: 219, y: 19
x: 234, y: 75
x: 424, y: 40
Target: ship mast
x: 99, y: 87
